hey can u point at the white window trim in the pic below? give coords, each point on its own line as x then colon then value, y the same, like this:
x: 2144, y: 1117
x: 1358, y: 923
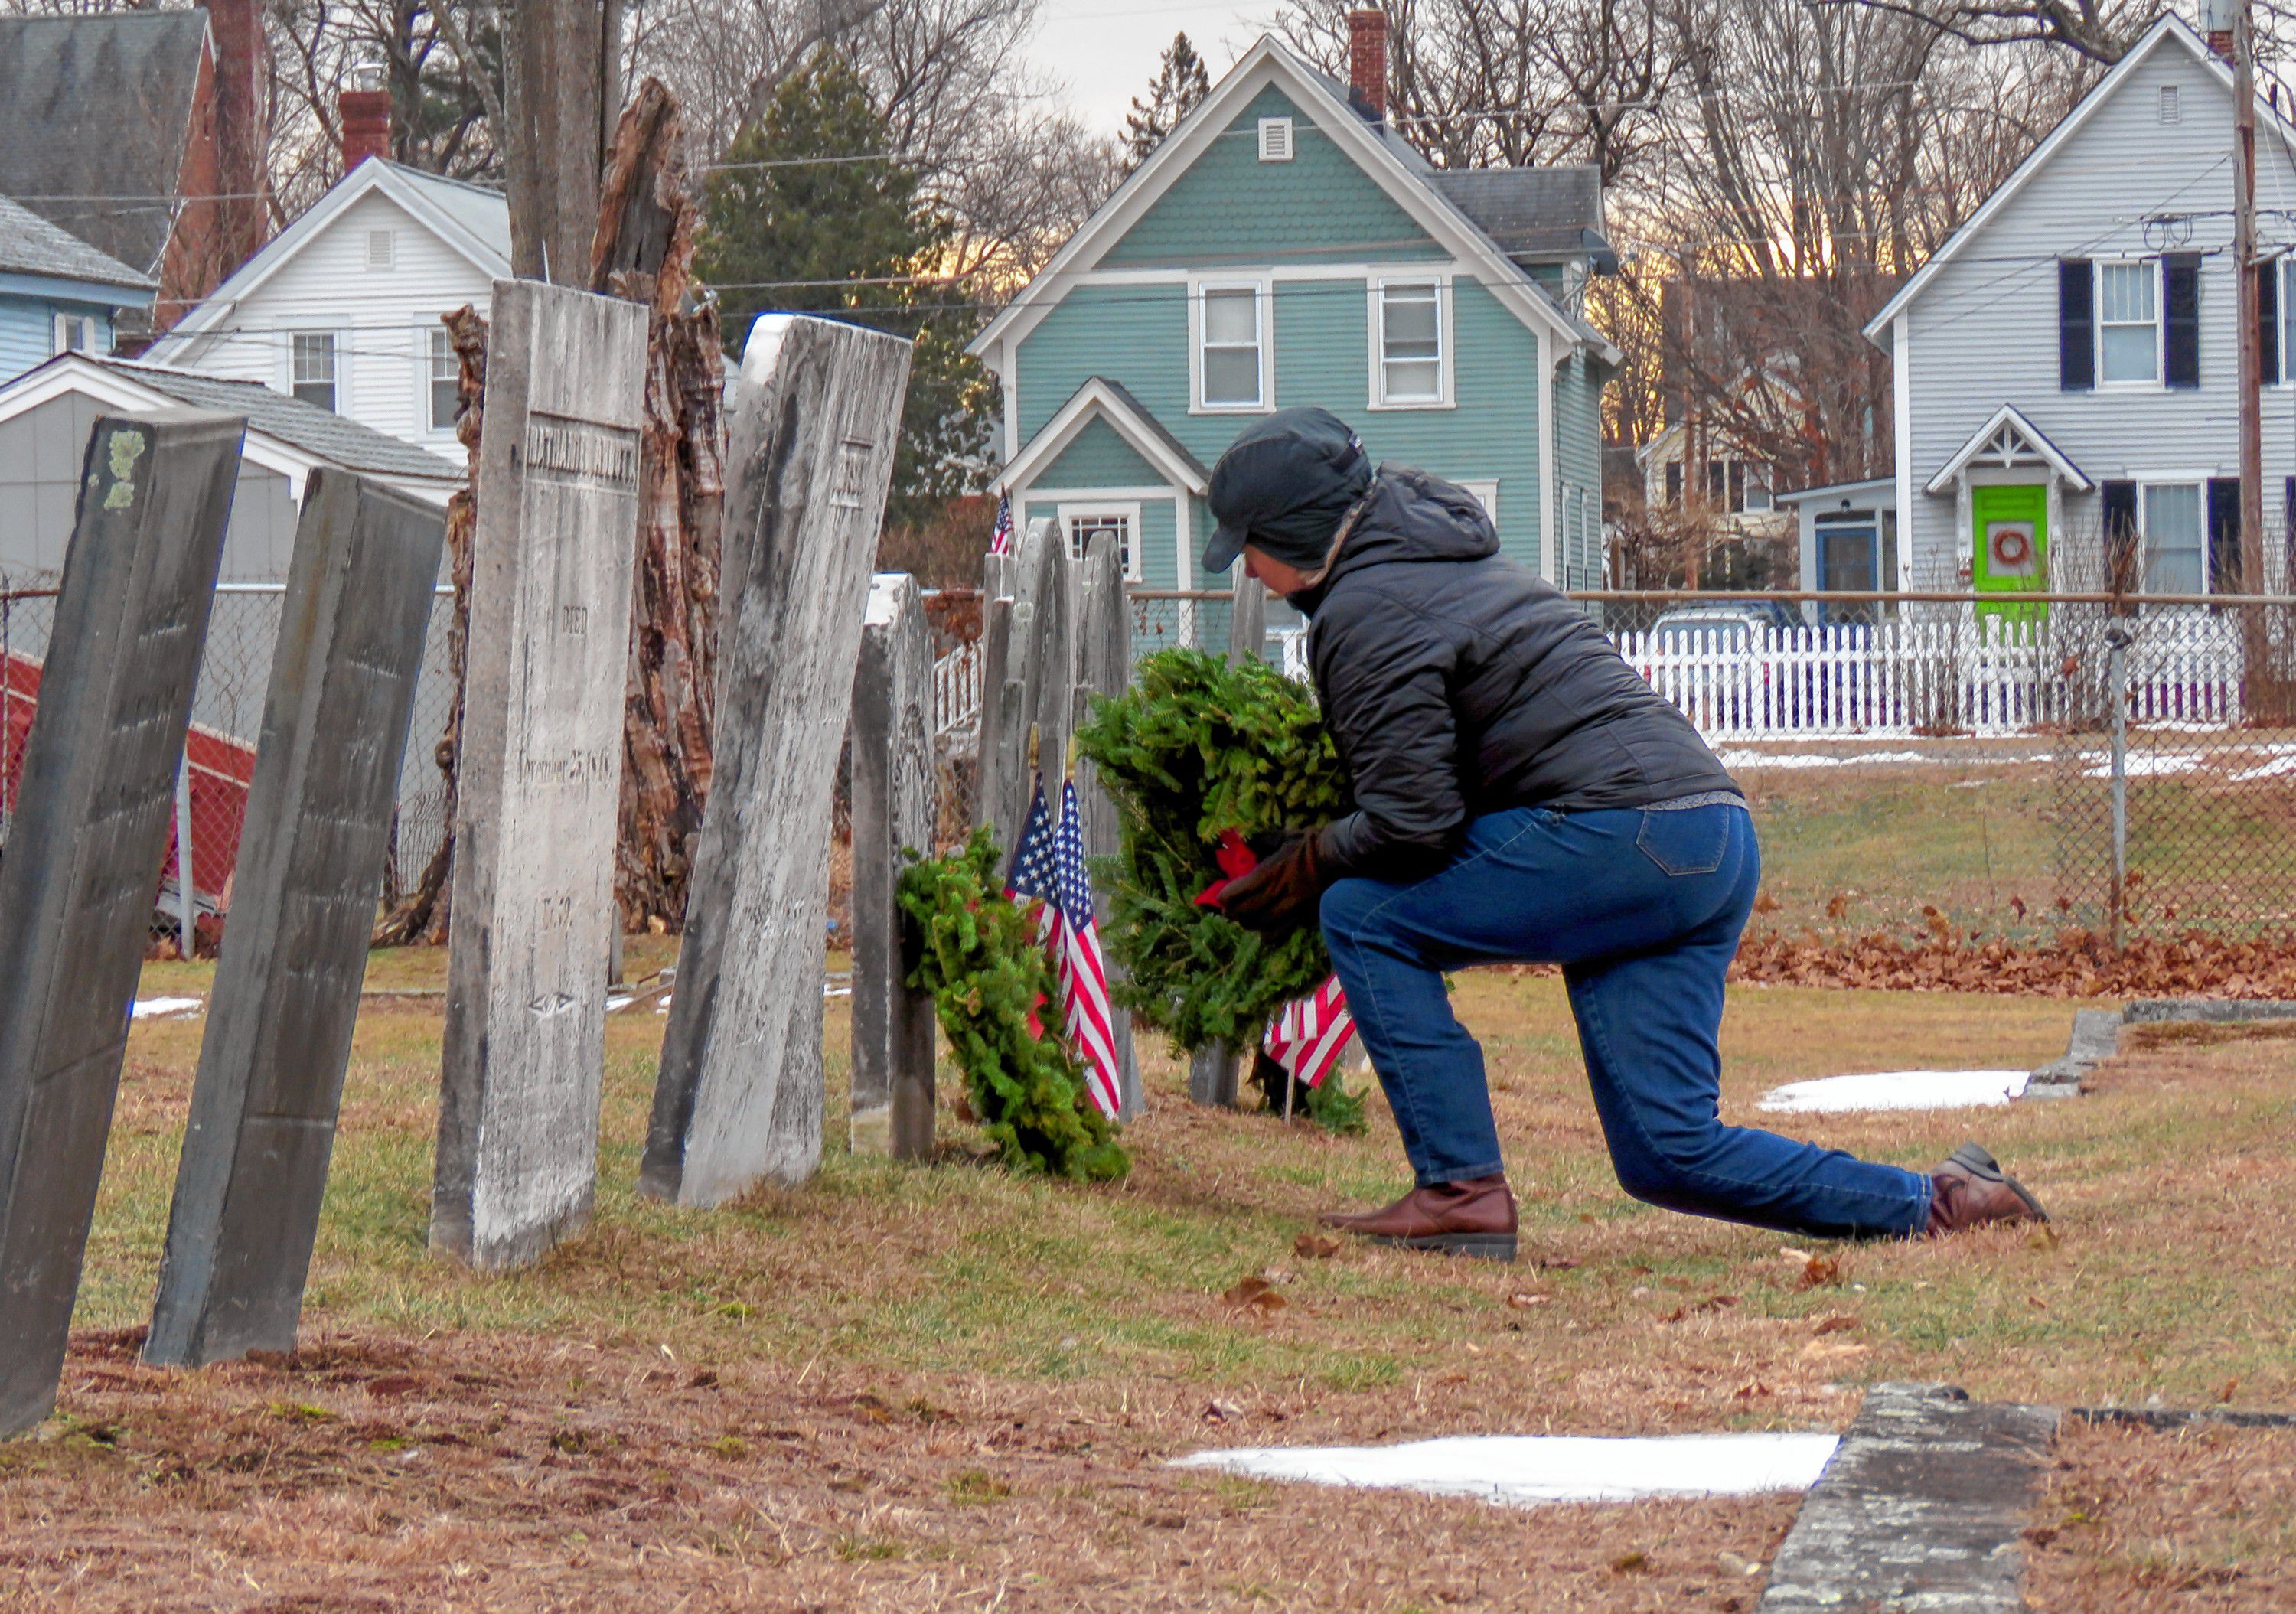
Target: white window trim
x: 1375, y: 323
x: 423, y: 327
x: 1264, y: 304
x: 2145, y: 482
x: 1485, y: 489
x: 1065, y: 513
x: 89, y: 328
x: 2160, y: 382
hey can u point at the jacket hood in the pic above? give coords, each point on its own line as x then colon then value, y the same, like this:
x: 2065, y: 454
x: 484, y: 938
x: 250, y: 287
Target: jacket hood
x: 1408, y: 516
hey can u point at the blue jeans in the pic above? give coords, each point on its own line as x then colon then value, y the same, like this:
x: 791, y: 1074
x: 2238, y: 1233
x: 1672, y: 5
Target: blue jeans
x: 1642, y: 909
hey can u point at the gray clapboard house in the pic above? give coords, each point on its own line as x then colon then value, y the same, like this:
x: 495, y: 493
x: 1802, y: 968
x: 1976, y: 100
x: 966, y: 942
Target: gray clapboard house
x: 2066, y: 362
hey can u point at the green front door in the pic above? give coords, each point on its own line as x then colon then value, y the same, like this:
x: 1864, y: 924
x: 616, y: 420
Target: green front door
x: 2010, y: 546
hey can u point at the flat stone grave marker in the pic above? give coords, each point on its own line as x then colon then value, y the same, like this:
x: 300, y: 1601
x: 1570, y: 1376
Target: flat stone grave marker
x: 278, y: 1037
x: 540, y: 782
x: 81, y: 876
x: 892, y: 813
x: 739, y: 1096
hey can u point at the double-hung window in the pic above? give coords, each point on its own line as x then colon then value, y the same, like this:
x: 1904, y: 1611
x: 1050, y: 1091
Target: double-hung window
x: 2129, y: 322
x: 1120, y: 522
x: 311, y: 367
x: 444, y: 380
x: 2176, y: 539
x: 1411, y: 361
x: 1232, y: 347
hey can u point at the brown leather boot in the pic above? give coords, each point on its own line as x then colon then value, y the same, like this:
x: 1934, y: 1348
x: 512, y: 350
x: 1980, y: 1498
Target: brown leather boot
x: 1971, y: 1190
x: 1472, y: 1218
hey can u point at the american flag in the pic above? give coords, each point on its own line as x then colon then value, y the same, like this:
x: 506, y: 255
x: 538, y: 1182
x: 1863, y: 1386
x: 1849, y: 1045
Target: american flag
x: 1000, y: 537
x: 1309, y: 1036
x: 1048, y: 865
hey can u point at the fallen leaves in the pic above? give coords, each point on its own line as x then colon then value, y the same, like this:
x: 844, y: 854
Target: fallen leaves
x: 1820, y: 1272
x: 1524, y: 1302
x: 1315, y: 1247
x: 1253, y: 1294
x: 1832, y: 1322
x: 1710, y: 1303
x: 2077, y: 963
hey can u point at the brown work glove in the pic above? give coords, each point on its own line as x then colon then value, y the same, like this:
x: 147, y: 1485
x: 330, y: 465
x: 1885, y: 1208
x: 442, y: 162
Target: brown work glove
x: 1283, y: 893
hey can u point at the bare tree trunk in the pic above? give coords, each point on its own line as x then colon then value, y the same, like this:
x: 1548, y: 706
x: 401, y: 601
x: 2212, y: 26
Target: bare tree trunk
x: 420, y: 915
x: 563, y: 84
x: 644, y: 250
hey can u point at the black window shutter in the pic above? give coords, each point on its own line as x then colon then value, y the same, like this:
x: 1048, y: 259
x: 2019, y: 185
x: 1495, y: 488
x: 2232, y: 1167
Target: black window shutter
x: 2268, y: 319
x: 2180, y: 285
x: 2120, y: 553
x: 2076, y: 324
x: 2224, y: 535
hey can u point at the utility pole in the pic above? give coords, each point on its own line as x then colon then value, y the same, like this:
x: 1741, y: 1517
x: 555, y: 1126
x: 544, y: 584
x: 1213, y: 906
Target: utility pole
x: 2253, y: 636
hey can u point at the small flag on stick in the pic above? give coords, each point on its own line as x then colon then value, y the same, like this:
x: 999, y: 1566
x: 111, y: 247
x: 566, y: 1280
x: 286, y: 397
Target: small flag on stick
x: 1311, y: 1033
x: 1048, y: 865
x: 1000, y: 537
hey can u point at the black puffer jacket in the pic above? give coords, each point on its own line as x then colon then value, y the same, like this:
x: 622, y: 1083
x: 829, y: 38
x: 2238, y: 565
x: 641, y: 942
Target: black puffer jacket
x: 1457, y: 682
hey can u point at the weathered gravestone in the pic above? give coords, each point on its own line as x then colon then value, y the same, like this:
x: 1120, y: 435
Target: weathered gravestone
x: 82, y: 871
x: 1104, y: 668
x: 892, y: 811
x: 739, y: 1096
x: 1247, y: 621
x: 1026, y: 713
x: 278, y: 1037
x: 550, y: 568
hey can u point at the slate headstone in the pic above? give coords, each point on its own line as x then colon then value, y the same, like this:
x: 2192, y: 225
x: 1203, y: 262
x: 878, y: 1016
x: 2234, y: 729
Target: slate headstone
x: 1104, y: 668
x: 1036, y: 701
x: 1247, y: 621
x: 81, y: 877
x: 1212, y: 1072
x: 892, y: 813
x: 278, y: 1037
x: 550, y: 566
x: 739, y: 1096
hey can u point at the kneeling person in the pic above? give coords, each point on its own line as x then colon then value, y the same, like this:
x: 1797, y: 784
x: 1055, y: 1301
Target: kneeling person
x: 1521, y: 796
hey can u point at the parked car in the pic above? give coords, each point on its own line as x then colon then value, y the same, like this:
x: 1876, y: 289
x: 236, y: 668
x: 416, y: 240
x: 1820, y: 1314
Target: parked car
x: 1730, y: 682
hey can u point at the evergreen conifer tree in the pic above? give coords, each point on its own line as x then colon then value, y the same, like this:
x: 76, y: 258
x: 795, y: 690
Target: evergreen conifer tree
x: 1181, y: 82
x: 788, y: 232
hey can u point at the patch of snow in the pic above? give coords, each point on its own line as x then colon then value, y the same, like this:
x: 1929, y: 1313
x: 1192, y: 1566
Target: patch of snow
x: 615, y: 1005
x: 1764, y: 759
x: 2146, y: 765
x: 1523, y: 1470
x: 2270, y: 770
x: 163, y: 1008
x: 1897, y: 1090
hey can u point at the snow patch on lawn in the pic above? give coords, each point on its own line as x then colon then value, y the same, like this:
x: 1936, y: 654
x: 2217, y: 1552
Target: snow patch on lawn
x: 1522, y: 1470
x: 1897, y: 1090
x: 162, y: 1008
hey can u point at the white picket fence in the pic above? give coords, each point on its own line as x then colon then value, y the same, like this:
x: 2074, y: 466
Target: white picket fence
x: 1965, y: 674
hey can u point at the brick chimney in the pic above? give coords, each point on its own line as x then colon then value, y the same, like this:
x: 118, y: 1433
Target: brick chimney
x: 2217, y: 20
x: 366, y: 116
x: 242, y: 125
x: 1367, y: 63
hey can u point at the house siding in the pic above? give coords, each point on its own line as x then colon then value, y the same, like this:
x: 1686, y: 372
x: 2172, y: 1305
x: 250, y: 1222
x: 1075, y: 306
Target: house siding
x: 1232, y: 208
x: 27, y: 330
x: 1579, y: 472
x: 1100, y: 458
x: 1984, y: 331
x: 382, y: 318
x: 1157, y: 552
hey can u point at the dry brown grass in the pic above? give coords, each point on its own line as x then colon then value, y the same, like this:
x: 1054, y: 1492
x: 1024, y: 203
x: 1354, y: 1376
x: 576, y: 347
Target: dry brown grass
x: 933, y: 1387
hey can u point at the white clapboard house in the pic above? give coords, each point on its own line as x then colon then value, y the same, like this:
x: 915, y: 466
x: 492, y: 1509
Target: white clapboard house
x: 342, y: 307
x: 2066, y: 362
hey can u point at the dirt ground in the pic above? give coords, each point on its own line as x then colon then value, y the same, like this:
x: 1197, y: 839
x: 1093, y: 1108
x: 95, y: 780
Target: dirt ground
x: 947, y: 1388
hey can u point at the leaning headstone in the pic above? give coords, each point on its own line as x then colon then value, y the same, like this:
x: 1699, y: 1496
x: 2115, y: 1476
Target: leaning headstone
x: 739, y: 1096
x: 1104, y: 668
x: 82, y: 872
x: 1247, y: 621
x: 1036, y: 701
x: 1212, y: 1075
x: 541, y: 765
x: 254, y: 1165
x: 892, y: 815
x: 995, y: 791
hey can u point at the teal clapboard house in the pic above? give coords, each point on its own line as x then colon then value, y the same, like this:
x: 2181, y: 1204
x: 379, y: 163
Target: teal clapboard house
x: 1284, y: 247
x: 58, y: 294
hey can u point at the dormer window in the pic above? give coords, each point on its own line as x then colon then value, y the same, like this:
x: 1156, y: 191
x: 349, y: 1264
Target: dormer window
x: 1275, y: 140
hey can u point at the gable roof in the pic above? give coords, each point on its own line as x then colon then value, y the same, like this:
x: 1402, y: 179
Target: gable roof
x: 2011, y: 440
x: 31, y: 245
x: 470, y: 219
x: 94, y: 113
x: 2170, y: 28
x: 1386, y: 157
x: 1099, y: 398
x: 1529, y: 212
x: 283, y: 434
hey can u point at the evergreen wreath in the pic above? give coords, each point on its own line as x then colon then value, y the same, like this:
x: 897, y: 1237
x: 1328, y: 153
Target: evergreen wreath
x: 1193, y: 747
x: 987, y: 974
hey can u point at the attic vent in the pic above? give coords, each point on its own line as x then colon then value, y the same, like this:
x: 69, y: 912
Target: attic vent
x: 381, y: 248
x: 2172, y: 110
x: 1275, y: 140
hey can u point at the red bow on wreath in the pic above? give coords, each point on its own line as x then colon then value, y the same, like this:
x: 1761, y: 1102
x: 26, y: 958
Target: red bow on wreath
x: 1236, y: 860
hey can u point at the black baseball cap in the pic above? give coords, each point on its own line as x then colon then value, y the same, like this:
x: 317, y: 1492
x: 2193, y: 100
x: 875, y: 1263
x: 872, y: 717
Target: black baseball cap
x: 1283, y: 485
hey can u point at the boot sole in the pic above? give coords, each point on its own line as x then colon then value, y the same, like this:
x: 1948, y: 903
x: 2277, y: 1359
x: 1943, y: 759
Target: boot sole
x: 1979, y: 1162
x: 1475, y: 1246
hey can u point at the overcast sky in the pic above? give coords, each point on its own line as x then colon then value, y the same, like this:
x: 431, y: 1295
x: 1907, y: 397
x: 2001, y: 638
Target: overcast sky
x: 1105, y: 51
